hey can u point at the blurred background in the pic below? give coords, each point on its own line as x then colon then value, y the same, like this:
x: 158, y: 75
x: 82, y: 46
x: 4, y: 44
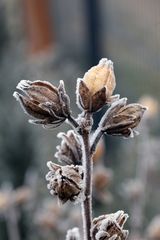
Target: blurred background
x: 53, y: 40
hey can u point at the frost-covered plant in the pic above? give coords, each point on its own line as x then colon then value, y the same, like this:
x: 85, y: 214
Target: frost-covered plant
x: 50, y: 107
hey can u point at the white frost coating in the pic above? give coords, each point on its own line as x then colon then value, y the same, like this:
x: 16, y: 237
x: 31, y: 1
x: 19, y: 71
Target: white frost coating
x: 49, y: 165
x: 121, y: 102
x: 51, y: 192
x: 23, y: 84
x: 105, y: 223
x: 77, y: 92
x: 81, y: 196
x: 101, y: 234
x: 118, y: 214
x: 73, y: 234
x: 136, y: 133
x: 61, y: 83
x: 49, y: 175
x: 131, y: 133
x: 60, y: 134
x: 16, y: 95
x: 114, y: 98
x: 68, y: 134
x: 52, y: 166
x: 106, y: 62
x: 125, y: 233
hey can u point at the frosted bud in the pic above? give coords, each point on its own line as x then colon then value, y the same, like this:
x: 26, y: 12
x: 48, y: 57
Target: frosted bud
x: 95, y: 89
x: 66, y: 182
x: 121, y: 118
x: 70, y: 151
x: 48, y: 104
x: 110, y: 226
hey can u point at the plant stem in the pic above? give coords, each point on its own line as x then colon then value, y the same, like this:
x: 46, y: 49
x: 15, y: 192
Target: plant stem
x: 87, y: 204
x: 96, y: 137
x: 73, y: 122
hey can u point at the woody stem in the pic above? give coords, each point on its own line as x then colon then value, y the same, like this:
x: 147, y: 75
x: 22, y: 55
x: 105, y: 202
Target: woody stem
x: 72, y: 121
x: 95, y: 139
x: 87, y: 203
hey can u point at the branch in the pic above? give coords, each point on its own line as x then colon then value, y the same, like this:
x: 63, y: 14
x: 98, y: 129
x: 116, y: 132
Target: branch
x: 95, y: 139
x: 73, y: 122
x: 87, y: 164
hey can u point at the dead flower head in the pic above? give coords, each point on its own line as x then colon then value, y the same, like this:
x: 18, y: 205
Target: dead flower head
x: 48, y: 104
x: 66, y: 182
x: 121, y: 119
x: 97, y: 86
x: 69, y: 152
x: 110, y: 226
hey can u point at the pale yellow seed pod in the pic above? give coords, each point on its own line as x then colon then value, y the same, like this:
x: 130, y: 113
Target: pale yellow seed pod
x: 99, y: 76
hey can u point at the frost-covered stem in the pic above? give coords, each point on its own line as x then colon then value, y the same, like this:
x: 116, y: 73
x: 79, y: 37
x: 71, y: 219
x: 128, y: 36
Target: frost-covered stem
x: 87, y: 164
x: 73, y: 122
x: 95, y: 139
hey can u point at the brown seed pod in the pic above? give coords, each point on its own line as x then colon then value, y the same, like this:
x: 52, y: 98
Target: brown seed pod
x: 96, y: 87
x: 110, y: 226
x: 121, y: 119
x: 70, y: 151
x: 66, y: 182
x: 48, y: 104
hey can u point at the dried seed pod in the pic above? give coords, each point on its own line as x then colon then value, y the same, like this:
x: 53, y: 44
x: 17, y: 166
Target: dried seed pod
x: 73, y: 234
x: 110, y: 226
x: 97, y: 86
x: 121, y: 119
x: 48, y: 104
x: 66, y: 182
x: 69, y: 152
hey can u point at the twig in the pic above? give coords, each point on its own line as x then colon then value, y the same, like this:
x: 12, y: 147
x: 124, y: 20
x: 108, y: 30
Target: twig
x: 95, y: 139
x: 87, y: 204
x: 73, y: 122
